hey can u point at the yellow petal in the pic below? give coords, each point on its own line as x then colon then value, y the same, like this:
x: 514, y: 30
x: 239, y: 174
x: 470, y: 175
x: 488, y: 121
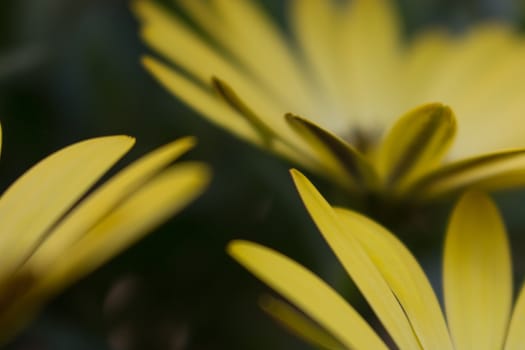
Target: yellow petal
x: 369, y: 44
x: 491, y: 171
x: 477, y: 275
x: 299, y: 324
x: 272, y: 136
x: 314, y: 25
x: 358, y: 264
x: 170, y: 35
x: 515, y: 338
x: 248, y: 34
x: 506, y: 180
x: 348, y: 166
x: 102, y: 201
x: 203, y: 101
x: 415, y: 145
x: 34, y: 203
x: 404, y: 276
x: 266, y: 132
x: 153, y: 203
x: 309, y: 293
x: 421, y: 62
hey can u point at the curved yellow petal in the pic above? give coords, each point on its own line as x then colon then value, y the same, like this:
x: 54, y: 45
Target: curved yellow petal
x: 202, y: 100
x: 248, y: 34
x: 421, y: 61
x: 299, y: 324
x: 275, y: 137
x: 314, y: 24
x: 491, y: 171
x: 515, y: 339
x: 34, y: 203
x: 505, y: 180
x: 369, y: 41
x: 102, y: 201
x: 308, y: 292
x: 147, y: 207
x: 358, y: 264
x: 477, y: 276
x: 404, y: 276
x: 415, y: 145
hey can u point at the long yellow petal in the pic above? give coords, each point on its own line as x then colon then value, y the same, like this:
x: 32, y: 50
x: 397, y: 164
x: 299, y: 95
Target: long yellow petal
x: 515, y: 339
x: 415, y: 145
x: 257, y: 35
x: 202, y: 100
x: 369, y: 40
x: 247, y: 34
x: 308, y: 292
x: 314, y: 23
x: 299, y: 324
x: 492, y: 171
x: 34, y: 203
x: 404, y: 276
x: 477, y: 275
x: 421, y: 61
x: 506, y: 180
x: 358, y: 264
x: 102, y: 201
x: 155, y: 201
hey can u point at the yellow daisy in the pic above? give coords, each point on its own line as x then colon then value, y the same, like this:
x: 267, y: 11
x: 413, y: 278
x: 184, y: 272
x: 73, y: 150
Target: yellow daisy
x: 55, y: 230
x: 329, y: 96
x: 477, y: 280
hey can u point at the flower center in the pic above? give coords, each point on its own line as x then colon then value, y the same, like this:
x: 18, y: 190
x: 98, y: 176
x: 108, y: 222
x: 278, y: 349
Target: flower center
x: 362, y: 140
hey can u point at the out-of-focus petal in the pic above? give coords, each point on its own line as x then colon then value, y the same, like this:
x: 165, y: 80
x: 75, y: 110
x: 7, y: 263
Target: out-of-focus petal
x: 40, y: 197
x: 477, y: 275
x: 309, y: 293
x: 358, y: 264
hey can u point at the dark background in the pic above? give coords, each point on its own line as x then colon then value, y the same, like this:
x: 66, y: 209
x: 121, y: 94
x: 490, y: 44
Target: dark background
x: 69, y: 70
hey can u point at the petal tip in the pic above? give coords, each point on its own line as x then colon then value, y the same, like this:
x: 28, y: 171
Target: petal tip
x: 235, y: 248
x: 297, y: 175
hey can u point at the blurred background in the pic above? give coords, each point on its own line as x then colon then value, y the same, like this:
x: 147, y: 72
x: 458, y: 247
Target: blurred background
x: 70, y: 70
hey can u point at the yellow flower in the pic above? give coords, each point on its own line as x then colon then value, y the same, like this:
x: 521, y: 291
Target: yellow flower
x: 347, y: 68
x: 477, y: 280
x: 55, y: 230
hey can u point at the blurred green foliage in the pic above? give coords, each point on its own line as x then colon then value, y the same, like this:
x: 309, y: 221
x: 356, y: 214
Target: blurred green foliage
x: 70, y: 70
